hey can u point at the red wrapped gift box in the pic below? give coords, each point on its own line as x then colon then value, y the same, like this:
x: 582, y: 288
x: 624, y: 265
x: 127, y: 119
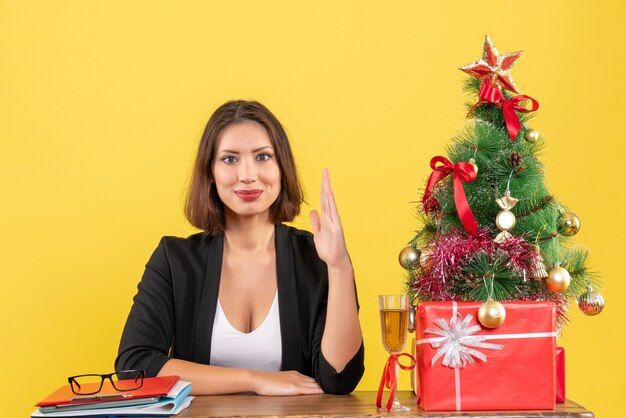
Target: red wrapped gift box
x: 560, y: 375
x: 462, y: 365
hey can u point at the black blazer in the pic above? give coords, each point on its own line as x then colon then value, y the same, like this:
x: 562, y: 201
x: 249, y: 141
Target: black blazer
x: 174, y: 308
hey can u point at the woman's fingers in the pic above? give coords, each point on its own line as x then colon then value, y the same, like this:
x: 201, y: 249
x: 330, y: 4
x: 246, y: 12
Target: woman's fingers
x: 328, y: 198
x: 332, y: 205
x: 328, y: 232
x: 311, y: 391
x: 287, y: 383
x: 315, y: 221
x: 308, y: 385
x: 324, y: 192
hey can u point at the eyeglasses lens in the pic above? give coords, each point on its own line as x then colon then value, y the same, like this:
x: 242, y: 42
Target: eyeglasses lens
x: 87, y: 384
x: 127, y: 380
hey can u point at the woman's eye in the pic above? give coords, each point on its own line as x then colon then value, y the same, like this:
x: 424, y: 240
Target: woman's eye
x: 229, y: 160
x: 263, y: 157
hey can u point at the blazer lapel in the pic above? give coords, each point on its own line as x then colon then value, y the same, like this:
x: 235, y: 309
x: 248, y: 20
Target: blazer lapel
x: 208, y: 300
x: 287, y: 301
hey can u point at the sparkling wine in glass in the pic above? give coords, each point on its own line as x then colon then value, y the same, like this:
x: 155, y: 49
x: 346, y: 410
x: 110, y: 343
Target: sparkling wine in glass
x: 394, y: 322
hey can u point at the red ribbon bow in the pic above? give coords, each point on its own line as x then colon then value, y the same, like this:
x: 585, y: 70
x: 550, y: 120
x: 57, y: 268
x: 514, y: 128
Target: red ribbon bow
x: 462, y: 172
x: 489, y: 93
x: 390, y: 379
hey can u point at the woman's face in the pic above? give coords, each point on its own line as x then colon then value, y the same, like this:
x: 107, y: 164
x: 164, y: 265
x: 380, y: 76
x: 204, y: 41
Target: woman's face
x: 245, y: 170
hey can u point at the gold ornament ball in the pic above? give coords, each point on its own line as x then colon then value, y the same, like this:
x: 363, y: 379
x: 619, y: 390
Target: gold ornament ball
x: 505, y: 220
x: 472, y: 162
x: 491, y: 314
x: 569, y: 224
x: 531, y: 135
x: 558, y: 279
x: 591, y: 303
x: 409, y: 257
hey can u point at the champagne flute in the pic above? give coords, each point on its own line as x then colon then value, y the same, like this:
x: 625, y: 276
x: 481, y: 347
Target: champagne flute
x: 394, y: 321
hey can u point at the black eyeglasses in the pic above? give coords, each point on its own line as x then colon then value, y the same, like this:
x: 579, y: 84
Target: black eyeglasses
x: 122, y: 381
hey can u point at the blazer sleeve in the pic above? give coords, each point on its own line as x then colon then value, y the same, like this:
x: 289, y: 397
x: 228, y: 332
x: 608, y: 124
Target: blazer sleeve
x: 332, y: 382
x: 149, y: 329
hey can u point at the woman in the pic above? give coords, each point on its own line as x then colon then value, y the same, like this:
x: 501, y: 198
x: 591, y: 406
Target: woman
x: 249, y: 305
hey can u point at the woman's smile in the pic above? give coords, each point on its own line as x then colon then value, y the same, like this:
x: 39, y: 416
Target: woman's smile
x: 248, y: 195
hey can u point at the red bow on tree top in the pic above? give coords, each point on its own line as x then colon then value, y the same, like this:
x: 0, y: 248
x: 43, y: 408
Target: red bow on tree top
x: 462, y: 172
x: 489, y: 93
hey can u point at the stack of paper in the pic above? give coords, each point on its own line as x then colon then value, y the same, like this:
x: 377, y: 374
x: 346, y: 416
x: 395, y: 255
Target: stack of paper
x: 159, y: 396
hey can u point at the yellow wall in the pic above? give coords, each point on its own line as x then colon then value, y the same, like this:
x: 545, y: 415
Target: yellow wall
x: 102, y: 104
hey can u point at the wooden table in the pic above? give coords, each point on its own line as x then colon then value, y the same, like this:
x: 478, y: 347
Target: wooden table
x: 358, y: 404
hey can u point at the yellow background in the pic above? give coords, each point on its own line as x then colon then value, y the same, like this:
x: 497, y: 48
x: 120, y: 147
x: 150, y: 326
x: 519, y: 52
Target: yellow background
x: 102, y: 104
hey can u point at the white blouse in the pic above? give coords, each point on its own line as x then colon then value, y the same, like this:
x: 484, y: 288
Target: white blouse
x: 261, y: 349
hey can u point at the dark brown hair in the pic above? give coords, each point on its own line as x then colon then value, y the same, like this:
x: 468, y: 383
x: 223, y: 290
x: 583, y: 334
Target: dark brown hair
x: 203, y: 207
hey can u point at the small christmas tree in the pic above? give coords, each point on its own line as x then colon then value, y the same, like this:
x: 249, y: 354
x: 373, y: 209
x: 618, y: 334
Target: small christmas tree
x: 491, y: 228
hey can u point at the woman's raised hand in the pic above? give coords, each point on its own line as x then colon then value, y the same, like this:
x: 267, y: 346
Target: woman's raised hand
x: 327, y: 231
x: 342, y: 331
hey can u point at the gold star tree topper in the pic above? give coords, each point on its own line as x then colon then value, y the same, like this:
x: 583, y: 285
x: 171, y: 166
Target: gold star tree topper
x: 494, y: 66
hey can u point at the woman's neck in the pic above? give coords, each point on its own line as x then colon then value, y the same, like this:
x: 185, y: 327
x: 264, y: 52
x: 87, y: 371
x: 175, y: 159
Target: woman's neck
x: 249, y: 234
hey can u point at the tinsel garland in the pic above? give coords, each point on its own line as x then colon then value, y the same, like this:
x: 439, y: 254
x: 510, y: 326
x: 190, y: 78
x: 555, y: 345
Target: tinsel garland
x: 448, y: 255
